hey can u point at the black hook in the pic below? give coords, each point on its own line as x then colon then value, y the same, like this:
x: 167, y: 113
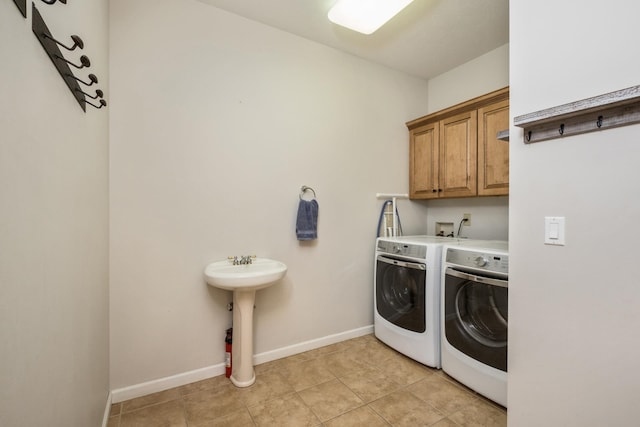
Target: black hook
x: 103, y: 103
x: 53, y: 1
x: 77, y: 41
x: 599, y: 121
x: 529, y: 136
x: 92, y: 79
x: 84, y: 60
x: 561, y: 130
x: 99, y: 94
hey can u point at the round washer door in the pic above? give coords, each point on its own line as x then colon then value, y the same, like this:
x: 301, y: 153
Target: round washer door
x: 400, y: 293
x: 476, y: 317
x: 482, y: 312
x: 399, y: 290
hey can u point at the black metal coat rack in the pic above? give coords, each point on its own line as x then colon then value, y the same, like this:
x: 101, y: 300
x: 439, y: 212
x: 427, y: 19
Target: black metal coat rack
x: 63, y: 65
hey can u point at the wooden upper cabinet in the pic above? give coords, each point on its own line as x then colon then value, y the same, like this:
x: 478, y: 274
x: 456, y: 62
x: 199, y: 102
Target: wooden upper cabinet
x: 424, y: 154
x: 493, y: 154
x: 455, y: 152
x: 458, y: 145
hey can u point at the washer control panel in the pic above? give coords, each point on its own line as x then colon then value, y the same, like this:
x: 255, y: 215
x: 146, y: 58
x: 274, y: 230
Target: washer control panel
x: 403, y: 249
x: 495, y: 262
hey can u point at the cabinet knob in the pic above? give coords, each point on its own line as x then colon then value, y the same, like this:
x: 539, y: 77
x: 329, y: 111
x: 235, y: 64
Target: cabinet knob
x: 434, y: 191
x: 439, y: 190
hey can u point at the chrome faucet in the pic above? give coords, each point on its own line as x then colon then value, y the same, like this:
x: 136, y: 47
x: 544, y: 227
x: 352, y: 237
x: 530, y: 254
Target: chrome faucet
x: 246, y: 259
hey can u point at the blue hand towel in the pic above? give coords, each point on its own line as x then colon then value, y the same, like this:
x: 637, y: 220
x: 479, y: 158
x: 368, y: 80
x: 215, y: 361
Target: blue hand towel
x: 307, y: 221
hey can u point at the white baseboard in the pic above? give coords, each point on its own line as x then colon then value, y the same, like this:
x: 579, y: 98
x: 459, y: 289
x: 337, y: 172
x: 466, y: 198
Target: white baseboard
x: 279, y: 353
x: 107, y: 410
x: 161, y: 384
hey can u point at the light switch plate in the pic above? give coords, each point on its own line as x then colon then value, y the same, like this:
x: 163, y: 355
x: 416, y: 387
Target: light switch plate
x: 554, y: 230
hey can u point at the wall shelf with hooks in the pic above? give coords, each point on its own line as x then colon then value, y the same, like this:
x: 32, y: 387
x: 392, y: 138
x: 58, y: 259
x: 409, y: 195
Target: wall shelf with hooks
x: 50, y: 46
x: 46, y: 39
x: 614, y: 109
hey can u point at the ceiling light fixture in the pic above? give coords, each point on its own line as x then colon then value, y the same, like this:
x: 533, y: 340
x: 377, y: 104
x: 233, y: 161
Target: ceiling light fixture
x: 365, y: 16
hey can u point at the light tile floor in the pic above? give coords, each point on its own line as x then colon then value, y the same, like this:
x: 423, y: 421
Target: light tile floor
x: 359, y: 382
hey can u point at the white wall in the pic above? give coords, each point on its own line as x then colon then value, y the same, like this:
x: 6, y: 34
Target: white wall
x: 53, y: 225
x: 489, y: 215
x: 216, y: 123
x: 573, y: 314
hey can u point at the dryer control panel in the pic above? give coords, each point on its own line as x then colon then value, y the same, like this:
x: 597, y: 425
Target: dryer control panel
x: 496, y: 262
x: 404, y: 249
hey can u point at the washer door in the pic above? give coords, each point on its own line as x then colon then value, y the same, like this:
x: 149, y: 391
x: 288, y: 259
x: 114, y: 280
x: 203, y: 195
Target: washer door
x: 400, y: 293
x: 476, y: 317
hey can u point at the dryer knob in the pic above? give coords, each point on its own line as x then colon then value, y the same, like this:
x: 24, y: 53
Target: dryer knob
x: 481, y: 261
x: 397, y: 249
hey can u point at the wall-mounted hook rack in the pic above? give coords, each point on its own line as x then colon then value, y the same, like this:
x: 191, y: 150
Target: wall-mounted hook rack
x: 22, y: 6
x: 50, y: 45
x: 614, y: 109
x: 45, y: 38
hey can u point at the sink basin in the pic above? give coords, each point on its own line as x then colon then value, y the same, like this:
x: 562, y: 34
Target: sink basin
x: 244, y: 280
x: 261, y: 273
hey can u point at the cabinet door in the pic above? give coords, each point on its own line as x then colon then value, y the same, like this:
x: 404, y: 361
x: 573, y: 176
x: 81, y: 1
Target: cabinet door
x: 458, y: 154
x: 423, y: 168
x: 493, y: 154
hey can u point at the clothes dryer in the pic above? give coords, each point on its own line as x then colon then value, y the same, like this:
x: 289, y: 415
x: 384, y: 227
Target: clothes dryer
x: 474, y: 316
x: 407, y: 295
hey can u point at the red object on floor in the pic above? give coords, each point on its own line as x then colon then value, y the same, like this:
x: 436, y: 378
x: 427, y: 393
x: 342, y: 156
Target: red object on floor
x: 227, y: 357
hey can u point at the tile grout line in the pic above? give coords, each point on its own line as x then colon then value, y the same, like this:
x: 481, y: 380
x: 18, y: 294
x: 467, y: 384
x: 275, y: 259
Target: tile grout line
x: 184, y: 410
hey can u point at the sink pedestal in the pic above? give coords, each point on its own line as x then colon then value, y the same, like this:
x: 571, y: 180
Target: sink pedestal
x: 244, y: 279
x: 242, y: 373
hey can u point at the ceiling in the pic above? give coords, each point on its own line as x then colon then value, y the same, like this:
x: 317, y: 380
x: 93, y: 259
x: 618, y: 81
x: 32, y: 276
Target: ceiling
x: 426, y: 39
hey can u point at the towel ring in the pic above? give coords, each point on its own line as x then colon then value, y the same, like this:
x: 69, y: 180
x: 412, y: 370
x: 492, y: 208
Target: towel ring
x: 304, y: 189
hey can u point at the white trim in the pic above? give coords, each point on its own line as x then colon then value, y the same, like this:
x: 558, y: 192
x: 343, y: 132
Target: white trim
x: 161, y: 384
x: 107, y: 411
x: 280, y: 353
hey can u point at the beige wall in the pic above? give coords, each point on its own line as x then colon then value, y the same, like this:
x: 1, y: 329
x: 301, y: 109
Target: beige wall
x: 481, y: 75
x: 573, y: 310
x: 53, y: 225
x: 217, y: 122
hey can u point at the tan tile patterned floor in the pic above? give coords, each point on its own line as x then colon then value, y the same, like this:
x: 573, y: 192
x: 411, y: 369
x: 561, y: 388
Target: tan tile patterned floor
x: 360, y: 382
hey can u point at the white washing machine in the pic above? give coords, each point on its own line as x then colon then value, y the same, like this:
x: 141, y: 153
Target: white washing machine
x: 407, y: 295
x: 474, y: 316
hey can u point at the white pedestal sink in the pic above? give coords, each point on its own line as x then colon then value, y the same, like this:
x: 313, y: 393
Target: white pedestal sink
x: 244, y: 280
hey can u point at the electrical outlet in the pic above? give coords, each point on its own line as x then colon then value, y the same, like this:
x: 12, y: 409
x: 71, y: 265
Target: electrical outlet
x: 467, y: 216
